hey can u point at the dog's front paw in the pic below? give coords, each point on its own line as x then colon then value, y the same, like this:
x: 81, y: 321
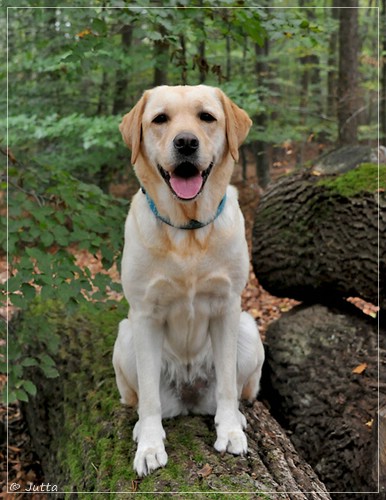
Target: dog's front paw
x: 230, y: 434
x: 231, y: 440
x: 149, y: 457
x: 151, y: 452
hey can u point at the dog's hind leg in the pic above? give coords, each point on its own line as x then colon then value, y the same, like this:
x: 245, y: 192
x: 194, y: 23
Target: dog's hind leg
x: 250, y: 358
x: 125, y: 365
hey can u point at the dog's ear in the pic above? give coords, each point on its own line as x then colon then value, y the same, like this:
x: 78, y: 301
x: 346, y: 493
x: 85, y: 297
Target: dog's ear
x: 238, y: 124
x: 131, y: 128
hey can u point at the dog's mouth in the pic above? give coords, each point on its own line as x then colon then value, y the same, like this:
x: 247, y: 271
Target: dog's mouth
x: 186, y: 181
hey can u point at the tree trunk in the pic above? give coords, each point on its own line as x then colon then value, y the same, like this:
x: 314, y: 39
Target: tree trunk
x: 321, y: 376
x: 122, y: 75
x: 182, y: 63
x: 203, y: 66
x: 379, y: 471
x: 332, y: 64
x: 261, y: 147
x: 84, y: 436
x: 383, y: 83
x: 315, y: 236
x: 348, y: 72
x: 228, y: 45
x: 102, y: 108
x: 310, y: 83
x: 161, y: 59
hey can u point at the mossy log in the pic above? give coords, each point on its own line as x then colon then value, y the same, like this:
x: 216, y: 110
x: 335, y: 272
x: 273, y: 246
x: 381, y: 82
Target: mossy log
x: 315, y: 236
x: 84, y: 436
x: 321, y: 376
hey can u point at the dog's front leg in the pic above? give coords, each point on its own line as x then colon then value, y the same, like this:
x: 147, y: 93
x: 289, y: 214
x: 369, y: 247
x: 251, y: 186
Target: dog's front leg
x: 148, y: 431
x: 229, y: 420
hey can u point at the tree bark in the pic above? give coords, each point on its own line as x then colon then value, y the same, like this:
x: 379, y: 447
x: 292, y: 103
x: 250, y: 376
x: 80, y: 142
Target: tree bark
x: 321, y: 376
x: 348, y: 72
x: 379, y: 457
x: 102, y: 108
x: 182, y: 60
x: 161, y: 59
x: 260, y: 147
x: 84, y: 436
x: 122, y: 75
x: 310, y: 83
x: 332, y: 65
x: 203, y: 65
x: 315, y: 236
x: 383, y: 83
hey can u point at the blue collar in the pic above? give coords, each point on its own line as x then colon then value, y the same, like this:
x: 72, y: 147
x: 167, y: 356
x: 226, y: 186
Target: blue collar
x: 192, y: 224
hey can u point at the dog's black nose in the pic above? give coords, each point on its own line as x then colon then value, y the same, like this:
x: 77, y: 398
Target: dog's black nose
x: 186, y: 143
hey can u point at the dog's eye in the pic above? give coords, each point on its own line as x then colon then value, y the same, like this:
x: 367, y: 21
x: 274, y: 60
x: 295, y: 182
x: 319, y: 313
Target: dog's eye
x: 161, y: 118
x: 207, y: 117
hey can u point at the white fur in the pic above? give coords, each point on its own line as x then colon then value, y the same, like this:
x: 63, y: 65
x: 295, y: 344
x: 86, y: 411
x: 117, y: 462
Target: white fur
x: 186, y: 346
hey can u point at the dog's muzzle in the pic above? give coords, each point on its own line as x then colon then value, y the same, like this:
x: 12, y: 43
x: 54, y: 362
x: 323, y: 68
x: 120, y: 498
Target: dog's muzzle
x: 186, y: 181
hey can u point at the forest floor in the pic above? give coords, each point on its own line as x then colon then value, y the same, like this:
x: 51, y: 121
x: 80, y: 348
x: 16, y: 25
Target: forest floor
x: 23, y: 464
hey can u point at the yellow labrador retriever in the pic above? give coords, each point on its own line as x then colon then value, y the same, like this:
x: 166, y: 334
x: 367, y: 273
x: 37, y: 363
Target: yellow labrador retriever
x: 186, y: 346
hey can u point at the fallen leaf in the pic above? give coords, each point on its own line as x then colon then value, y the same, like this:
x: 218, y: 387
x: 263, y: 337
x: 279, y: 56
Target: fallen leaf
x: 205, y: 471
x: 360, y: 368
x: 370, y: 423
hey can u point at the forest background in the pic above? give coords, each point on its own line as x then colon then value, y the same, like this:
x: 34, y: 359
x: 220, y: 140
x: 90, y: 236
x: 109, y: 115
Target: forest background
x: 305, y: 74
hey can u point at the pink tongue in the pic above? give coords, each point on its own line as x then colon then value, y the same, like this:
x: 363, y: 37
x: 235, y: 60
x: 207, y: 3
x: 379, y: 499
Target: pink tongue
x: 186, y: 188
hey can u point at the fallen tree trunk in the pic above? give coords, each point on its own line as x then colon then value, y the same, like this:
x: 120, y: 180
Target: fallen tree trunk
x: 321, y: 377
x: 83, y: 435
x: 380, y: 433
x: 315, y: 236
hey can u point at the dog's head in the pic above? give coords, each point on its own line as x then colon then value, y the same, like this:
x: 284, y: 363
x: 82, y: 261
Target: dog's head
x: 181, y: 136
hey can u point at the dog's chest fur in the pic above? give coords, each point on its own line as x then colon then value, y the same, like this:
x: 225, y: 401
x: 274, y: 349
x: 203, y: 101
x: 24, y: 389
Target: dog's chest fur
x: 185, y: 304
x: 183, y: 291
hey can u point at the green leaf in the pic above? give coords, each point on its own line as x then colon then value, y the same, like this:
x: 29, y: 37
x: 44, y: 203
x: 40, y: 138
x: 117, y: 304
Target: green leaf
x: 47, y: 238
x: 50, y: 372
x: 61, y: 235
x: 30, y: 362
x: 29, y: 291
x: 17, y: 370
x: 12, y: 398
x: 43, y: 279
x: 46, y: 360
x: 64, y: 292
x: 18, y: 301
x: 53, y: 343
x: 304, y: 24
x: 14, y: 283
x: 30, y: 387
x: 107, y: 256
x: 48, y: 292
x: 14, y: 351
x: 99, y: 26
x: 36, y: 253
x: 21, y: 395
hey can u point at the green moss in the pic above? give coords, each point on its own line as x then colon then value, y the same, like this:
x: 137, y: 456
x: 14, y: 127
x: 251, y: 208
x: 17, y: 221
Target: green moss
x: 94, y: 448
x: 94, y: 453
x: 365, y: 178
